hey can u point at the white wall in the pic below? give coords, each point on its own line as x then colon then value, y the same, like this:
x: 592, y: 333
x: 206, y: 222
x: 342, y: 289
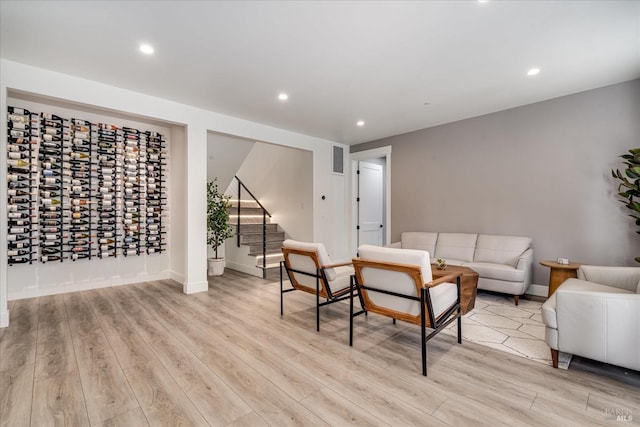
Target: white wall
x: 37, y: 279
x: 282, y: 179
x: 541, y: 170
x: 47, y: 84
x: 225, y: 156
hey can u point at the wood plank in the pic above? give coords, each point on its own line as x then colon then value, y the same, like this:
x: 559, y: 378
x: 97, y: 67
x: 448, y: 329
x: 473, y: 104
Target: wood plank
x: 132, y: 418
x: 16, y: 394
x: 254, y: 349
x: 250, y: 420
x: 17, y: 363
x: 338, y: 411
x: 18, y: 345
x: 58, y: 401
x: 227, y: 357
x: 161, y: 399
x: 214, y: 399
x: 57, y: 392
x: 106, y: 390
x: 271, y: 403
x: 55, y: 355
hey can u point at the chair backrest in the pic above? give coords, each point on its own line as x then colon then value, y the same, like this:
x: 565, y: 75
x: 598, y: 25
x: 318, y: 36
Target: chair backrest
x: 403, y: 271
x: 305, y: 257
x: 627, y: 278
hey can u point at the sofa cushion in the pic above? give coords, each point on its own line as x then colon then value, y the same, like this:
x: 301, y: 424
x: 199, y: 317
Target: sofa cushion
x: 496, y: 271
x: 456, y: 246
x: 500, y: 249
x: 420, y: 240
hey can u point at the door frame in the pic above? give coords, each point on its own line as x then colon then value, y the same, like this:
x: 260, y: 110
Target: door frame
x: 365, y: 155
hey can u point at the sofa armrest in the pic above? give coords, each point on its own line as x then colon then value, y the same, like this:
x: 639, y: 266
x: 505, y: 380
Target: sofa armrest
x: 525, y: 262
x: 397, y: 245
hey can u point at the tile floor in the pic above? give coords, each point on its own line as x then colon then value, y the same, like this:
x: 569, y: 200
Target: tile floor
x: 497, y: 323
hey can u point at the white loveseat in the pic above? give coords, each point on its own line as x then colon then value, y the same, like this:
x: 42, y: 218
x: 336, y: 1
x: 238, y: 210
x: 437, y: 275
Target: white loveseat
x: 504, y: 263
x: 596, y: 316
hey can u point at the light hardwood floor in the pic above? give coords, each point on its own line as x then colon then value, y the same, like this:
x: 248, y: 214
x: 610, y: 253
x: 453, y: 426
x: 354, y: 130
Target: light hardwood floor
x: 147, y: 354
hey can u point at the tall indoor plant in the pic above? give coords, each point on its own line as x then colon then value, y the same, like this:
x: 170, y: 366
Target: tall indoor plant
x: 218, y: 227
x: 629, y: 187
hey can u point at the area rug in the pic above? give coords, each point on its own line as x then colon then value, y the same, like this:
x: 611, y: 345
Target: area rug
x: 497, y: 323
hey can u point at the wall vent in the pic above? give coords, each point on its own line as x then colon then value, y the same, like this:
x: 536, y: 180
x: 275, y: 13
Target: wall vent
x: 338, y: 160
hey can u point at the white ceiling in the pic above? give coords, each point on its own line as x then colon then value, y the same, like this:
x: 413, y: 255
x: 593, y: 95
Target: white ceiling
x: 338, y: 61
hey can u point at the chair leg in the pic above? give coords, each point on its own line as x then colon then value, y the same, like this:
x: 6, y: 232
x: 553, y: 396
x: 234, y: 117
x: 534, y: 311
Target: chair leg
x: 317, y: 302
x: 394, y: 321
x: 516, y: 298
x: 351, y: 311
x: 554, y: 358
x: 281, y: 293
x: 423, y: 331
x: 459, y: 329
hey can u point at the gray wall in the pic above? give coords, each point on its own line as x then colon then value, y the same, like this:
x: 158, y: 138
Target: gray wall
x: 541, y: 170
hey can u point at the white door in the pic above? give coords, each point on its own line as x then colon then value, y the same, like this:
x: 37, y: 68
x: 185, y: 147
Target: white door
x: 370, y: 204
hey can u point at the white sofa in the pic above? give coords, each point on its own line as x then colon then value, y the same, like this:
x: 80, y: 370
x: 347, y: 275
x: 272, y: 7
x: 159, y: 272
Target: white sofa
x: 596, y: 316
x: 504, y: 263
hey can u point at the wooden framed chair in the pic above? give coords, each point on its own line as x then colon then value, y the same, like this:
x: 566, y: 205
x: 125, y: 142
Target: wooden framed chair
x: 310, y: 270
x: 397, y: 283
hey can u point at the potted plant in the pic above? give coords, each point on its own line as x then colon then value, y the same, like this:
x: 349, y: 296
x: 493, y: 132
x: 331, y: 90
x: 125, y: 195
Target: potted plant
x: 629, y: 187
x: 218, y: 227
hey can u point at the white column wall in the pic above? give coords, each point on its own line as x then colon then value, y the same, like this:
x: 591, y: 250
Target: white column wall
x: 48, y: 84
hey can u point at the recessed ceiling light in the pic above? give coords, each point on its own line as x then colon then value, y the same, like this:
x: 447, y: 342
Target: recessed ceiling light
x: 147, y: 49
x: 533, y: 72
x: 360, y: 123
x: 283, y: 96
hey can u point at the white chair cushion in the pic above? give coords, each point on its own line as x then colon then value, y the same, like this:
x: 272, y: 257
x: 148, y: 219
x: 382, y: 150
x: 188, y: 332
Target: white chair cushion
x: 443, y: 296
x: 496, y: 271
x: 500, y: 249
x: 393, y: 280
x: 456, y: 246
x: 300, y: 264
x: 342, y: 279
x: 420, y: 240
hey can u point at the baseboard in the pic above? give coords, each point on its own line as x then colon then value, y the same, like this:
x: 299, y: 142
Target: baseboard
x: 538, y: 291
x: 194, y: 287
x: 63, y: 288
x: 4, y: 318
x: 176, y: 277
x: 248, y: 269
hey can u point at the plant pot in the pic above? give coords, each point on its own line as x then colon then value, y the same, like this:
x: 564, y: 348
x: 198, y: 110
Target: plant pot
x: 216, y: 266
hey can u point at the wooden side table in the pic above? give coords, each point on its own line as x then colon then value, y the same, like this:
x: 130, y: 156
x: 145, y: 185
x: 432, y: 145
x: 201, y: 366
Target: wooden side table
x: 559, y: 273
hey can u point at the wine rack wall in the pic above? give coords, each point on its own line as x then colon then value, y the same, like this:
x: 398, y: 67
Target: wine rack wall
x: 82, y: 190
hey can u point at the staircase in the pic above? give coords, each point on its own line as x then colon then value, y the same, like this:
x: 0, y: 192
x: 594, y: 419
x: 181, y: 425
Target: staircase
x: 251, y: 233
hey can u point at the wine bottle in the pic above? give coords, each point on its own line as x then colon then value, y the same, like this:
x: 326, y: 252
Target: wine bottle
x: 16, y: 177
x: 17, y: 155
x: 15, y: 215
x: 13, y: 192
x: 18, y: 163
x: 18, y: 200
x: 48, y: 201
x: 21, y: 245
x: 18, y: 260
x: 17, y: 208
x: 46, y: 258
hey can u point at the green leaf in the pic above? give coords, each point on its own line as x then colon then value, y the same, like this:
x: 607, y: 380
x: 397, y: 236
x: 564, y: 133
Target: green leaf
x: 637, y: 259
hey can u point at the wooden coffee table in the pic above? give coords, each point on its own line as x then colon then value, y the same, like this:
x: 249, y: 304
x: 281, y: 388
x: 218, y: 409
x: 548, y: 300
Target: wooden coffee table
x: 468, y: 284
